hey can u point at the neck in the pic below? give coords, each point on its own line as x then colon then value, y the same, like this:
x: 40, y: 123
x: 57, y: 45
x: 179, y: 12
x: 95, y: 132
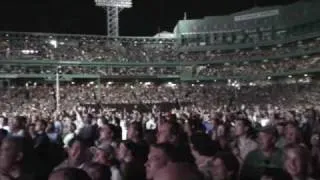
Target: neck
x: 242, y: 138
x: 201, y: 160
x: 135, y: 140
x: 298, y: 177
x: 127, y: 159
x: 268, y: 152
x: 76, y: 162
x: 109, y: 141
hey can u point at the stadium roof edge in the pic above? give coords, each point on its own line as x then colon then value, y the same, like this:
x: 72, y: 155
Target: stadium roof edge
x: 77, y: 35
x: 256, y: 9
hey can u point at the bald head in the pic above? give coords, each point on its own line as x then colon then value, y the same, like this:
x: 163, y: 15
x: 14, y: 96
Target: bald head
x: 178, y: 171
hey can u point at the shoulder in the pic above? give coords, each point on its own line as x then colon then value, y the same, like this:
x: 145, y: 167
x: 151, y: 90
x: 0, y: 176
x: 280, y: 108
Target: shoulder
x: 61, y: 165
x: 254, y: 153
x: 310, y: 178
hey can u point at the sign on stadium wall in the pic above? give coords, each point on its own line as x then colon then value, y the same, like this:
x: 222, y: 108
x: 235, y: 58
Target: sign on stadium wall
x: 257, y: 15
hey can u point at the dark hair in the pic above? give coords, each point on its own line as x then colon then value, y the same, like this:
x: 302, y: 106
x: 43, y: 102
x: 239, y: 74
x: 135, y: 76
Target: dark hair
x: 251, y: 133
x: 83, y: 143
x: 43, y: 123
x: 169, y: 149
x: 177, y: 130
x: 230, y: 162
x: 72, y: 174
x: 5, y: 120
x: 73, y: 125
x: 138, y: 151
x: 52, y: 128
x: 116, y: 131
x: 137, y: 127
x: 104, y: 171
x: 23, y: 145
x: 3, y: 134
x: 150, y: 136
x: 21, y: 120
x: 203, y: 144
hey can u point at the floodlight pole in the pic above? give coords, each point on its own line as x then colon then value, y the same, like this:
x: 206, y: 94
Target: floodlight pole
x: 113, y: 21
x: 57, y: 90
x: 113, y: 9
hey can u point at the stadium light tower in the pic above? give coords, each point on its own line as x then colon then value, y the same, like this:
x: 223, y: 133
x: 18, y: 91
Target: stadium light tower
x: 113, y: 8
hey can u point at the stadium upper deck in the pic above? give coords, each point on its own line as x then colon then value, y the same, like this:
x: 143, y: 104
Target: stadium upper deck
x: 253, y: 27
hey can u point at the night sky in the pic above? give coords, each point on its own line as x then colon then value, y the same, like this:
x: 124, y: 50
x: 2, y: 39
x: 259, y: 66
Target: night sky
x: 146, y: 18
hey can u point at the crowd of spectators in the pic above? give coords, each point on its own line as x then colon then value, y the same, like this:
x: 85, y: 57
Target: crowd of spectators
x: 269, y: 67
x: 88, y: 48
x: 255, y: 61
x: 147, y: 131
x: 210, y: 131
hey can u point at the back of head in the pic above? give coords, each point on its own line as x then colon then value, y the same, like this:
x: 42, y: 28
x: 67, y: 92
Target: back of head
x: 98, y: 171
x: 179, y: 171
x: 169, y: 150
x: 229, y: 160
x: 203, y: 144
x: 69, y: 174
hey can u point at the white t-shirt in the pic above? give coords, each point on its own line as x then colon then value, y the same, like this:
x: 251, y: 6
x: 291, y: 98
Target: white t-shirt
x: 151, y: 125
x: 68, y: 138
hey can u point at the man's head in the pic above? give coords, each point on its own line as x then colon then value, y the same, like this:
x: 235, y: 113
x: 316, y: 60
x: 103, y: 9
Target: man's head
x: 296, y: 160
x: 224, y: 166
x: 17, y: 123
x: 98, y: 171
x: 178, y: 171
x: 267, y: 138
x: 3, y: 134
x: 69, y: 174
x: 280, y: 128
x: 202, y: 145
x: 41, y: 126
x: 135, y: 131
x: 77, y: 150
x: 103, y: 154
x: 242, y: 127
x: 87, y: 119
x: 107, y: 132
x: 315, y: 139
x: 170, y: 132
x: 73, y: 127
x: 15, y: 152
x: 159, y: 156
x: 292, y: 134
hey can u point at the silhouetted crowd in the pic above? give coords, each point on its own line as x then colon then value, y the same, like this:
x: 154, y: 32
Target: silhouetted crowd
x: 160, y: 136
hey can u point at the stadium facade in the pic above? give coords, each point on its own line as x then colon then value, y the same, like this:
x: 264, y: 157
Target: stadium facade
x: 40, y: 57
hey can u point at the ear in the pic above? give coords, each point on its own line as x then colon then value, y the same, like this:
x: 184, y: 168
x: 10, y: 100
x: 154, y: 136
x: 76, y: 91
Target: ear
x: 173, y: 138
x: 19, y: 157
x: 246, y: 128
